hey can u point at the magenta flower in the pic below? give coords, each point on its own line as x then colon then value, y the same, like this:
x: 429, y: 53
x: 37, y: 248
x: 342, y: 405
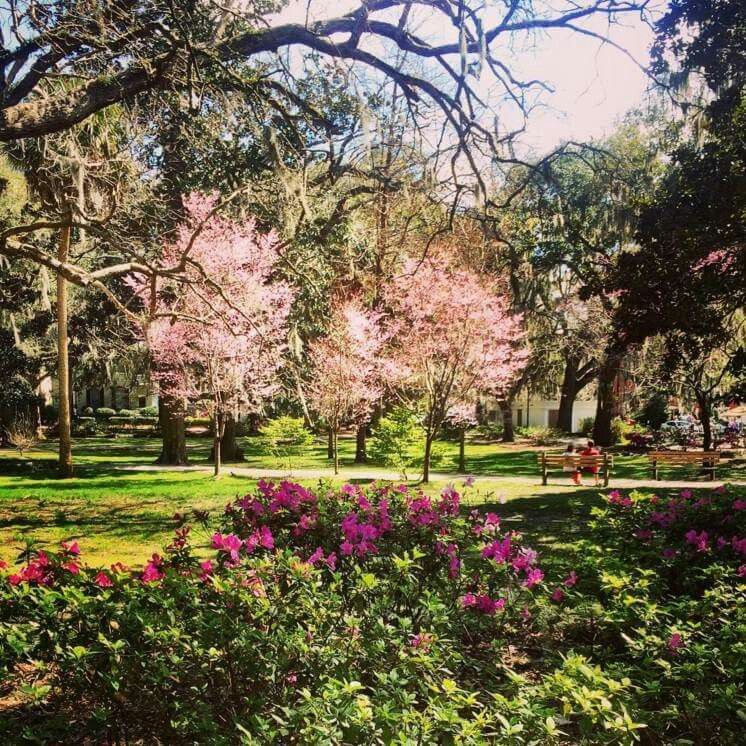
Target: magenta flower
x: 467, y: 600
x: 422, y: 641
x: 102, y: 580
x: 741, y: 572
x: 533, y: 577
x: 498, y: 550
x: 571, y: 579
x: 675, y: 642
x: 469, y: 481
x: 699, y: 541
x: 346, y: 548
x: 488, y: 606
x: 558, y: 596
x: 71, y: 548
x: 739, y: 505
x: 152, y: 571
x: 317, y: 556
x: 669, y: 553
x: 686, y: 494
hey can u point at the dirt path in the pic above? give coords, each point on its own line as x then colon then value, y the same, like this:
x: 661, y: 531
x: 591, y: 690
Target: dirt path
x: 371, y: 474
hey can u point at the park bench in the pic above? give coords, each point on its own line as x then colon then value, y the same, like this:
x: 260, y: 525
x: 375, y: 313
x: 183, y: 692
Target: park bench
x: 707, y: 459
x: 604, y: 462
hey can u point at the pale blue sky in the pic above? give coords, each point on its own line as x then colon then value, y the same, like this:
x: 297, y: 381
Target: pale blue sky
x: 594, y: 84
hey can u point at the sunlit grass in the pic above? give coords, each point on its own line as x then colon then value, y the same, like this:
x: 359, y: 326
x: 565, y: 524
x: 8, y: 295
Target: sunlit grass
x: 120, y: 515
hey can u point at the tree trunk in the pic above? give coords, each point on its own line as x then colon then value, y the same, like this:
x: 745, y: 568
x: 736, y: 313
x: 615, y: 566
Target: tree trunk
x: 705, y: 419
x: 507, y: 412
x: 606, y: 401
x: 65, y: 465
x: 230, y: 452
x: 462, y: 450
x: 360, y: 436
x: 329, y: 443
x: 335, y: 447
x: 568, y: 395
x: 426, y: 460
x: 171, y: 418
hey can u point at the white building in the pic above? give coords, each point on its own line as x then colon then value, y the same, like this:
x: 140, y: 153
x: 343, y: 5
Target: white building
x: 535, y: 412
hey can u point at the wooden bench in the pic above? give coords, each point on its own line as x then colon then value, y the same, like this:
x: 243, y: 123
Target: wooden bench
x: 604, y: 462
x: 708, y: 460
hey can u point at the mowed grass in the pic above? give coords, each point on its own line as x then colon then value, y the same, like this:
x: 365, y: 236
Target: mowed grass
x: 120, y: 515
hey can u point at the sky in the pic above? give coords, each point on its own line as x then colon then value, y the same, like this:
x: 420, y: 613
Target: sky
x: 594, y: 84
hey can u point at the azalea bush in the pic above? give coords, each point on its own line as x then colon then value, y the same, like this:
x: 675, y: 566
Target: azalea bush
x: 380, y: 615
x: 663, y: 600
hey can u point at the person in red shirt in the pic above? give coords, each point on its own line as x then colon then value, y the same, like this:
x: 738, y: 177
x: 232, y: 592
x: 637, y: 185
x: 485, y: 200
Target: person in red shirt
x: 591, y: 450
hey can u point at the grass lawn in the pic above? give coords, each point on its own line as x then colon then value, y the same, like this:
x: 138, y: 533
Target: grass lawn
x: 124, y: 515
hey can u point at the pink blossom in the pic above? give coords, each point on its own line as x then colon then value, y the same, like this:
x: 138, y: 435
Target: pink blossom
x: 71, y: 548
x: 422, y: 641
x: 686, y: 494
x: 742, y: 571
x: 347, y: 548
x: 102, y: 580
x: 72, y: 567
x: 498, y: 550
x: 486, y: 605
x: 533, y: 576
x: 700, y: 541
x: 669, y: 553
x: 467, y: 600
x: 152, y: 571
x: 739, y: 505
x: 558, y: 595
x: 571, y: 579
x: 675, y: 642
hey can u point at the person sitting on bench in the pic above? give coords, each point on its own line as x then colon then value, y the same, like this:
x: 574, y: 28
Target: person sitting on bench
x: 569, y: 464
x: 591, y: 450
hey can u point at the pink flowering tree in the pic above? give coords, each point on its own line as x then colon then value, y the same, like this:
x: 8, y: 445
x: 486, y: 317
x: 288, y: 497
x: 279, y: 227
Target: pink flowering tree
x: 346, y: 369
x: 452, y: 335
x: 217, y: 333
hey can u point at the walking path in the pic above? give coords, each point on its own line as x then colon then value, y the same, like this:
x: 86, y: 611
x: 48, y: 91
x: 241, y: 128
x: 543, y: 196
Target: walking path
x: 372, y: 474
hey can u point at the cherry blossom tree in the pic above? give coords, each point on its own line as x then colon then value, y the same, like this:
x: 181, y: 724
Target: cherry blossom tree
x: 217, y: 331
x: 452, y: 334
x: 347, y: 369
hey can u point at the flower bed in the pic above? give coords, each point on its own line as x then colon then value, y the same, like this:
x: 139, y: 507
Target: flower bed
x: 373, y: 615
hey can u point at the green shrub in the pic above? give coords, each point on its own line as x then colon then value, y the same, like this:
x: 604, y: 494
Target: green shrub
x: 105, y: 413
x: 198, y: 422
x: 149, y: 412
x: 490, y: 431
x: 285, y: 438
x: 397, y: 441
x: 539, y: 435
x: 87, y: 412
x: 86, y: 427
x: 585, y: 426
x: 127, y: 413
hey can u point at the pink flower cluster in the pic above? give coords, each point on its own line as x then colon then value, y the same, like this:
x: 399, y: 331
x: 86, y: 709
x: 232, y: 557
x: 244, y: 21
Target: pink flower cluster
x: 482, y: 603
